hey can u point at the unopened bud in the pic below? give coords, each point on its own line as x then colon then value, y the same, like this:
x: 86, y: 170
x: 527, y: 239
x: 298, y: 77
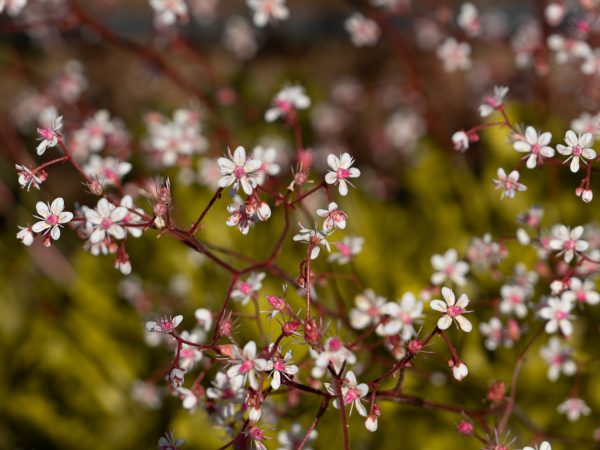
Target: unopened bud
x: 95, y: 187
x: 371, y: 423
x: 465, y: 428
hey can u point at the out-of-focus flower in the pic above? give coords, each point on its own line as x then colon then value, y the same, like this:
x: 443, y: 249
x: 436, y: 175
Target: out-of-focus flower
x: 567, y: 241
x: 268, y: 10
x: 363, y: 32
x: 449, y: 268
x: 574, y: 408
x: 508, y: 183
x: 454, y: 55
x: 49, y: 134
x: 286, y: 102
x: 315, y: 238
x: 557, y: 312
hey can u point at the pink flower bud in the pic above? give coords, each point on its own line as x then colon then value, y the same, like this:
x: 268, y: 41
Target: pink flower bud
x: 465, y: 428
x: 415, y: 346
x: 311, y: 332
x: 95, y: 187
x: 290, y: 328
x: 276, y: 302
x: 305, y: 158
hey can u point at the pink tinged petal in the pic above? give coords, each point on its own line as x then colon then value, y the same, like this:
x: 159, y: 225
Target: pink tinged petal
x: 239, y: 156
x: 531, y: 135
x: 42, y: 209
x: 260, y: 364
x: 544, y: 138
x: 531, y: 161
x: 226, y: 164
x: 463, y: 301
x: 589, y: 153
x: 464, y: 323
x: 522, y: 147
x: 276, y: 382
x: 547, y: 152
x: 574, y: 164
x: 345, y: 161
x: 97, y: 235
x: 225, y: 181
x: 353, y: 172
x: 343, y: 188
x: 571, y: 138
x: 360, y: 408
x: 551, y: 326
x: 333, y: 162
x: 330, y: 177
x: 55, y: 233
x: 117, y: 231
x: 566, y: 327
x: 118, y: 214
x: 246, y: 185
x: 444, y: 322
x: 65, y: 217
x: 448, y: 295
x: 438, y: 305
x: 38, y: 227
x: 315, y: 252
x: 57, y: 206
x: 586, y: 140
x: 103, y: 208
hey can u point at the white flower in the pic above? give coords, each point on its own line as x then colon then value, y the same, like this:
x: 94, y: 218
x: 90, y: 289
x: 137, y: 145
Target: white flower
x: 581, y: 292
x: 226, y: 391
x: 403, y: 316
x: 460, y: 139
x: 567, y: 242
x: 105, y: 221
x: 13, y: 7
x: 52, y: 218
x: 239, y: 38
x: 574, y: 408
x: 544, y: 446
x: 334, y: 217
x: 28, y: 178
x: 204, y: 318
x: 334, y: 353
x: 341, y: 170
x: 246, y: 363
x: 281, y: 367
x: 289, y: 99
x: 453, y: 310
x: 267, y: 157
x: 587, y: 123
x: 494, y: 334
x: 49, y: 135
x: 265, y: 10
x: 363, y: 32
x: 510, y: 184
x: 591, y: 65
x: 167, y: 12
x: 369, y: 310
x: 577, y: 148
x: 131, y: 218
x: 454, y: 55
x: 168, y: 442
x: 557, y: 313
x: 468, y: 19
x: 536, y: 145
x: 513, y: 300
x: 449, y: 268
x: 237, y: 169
x: 189, y: 355
x: 568, y: 48
x: 559, y: 359
x: 245, y: 290
x: 347, y: 249
x: 352, y: 393
x: 493, y: 102
x: 165, y: 325
x: 290, y: 440
x: 108, y: 171
x: 315, y: 238
x: 25, y: 235
x: 460, y: 371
